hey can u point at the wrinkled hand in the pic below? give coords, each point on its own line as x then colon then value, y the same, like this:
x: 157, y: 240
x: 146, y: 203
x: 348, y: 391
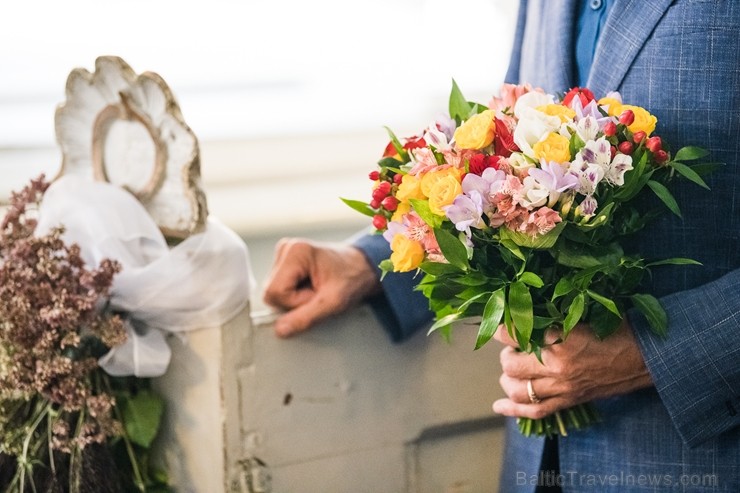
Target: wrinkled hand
x: 578, y: 370
x: 315, y: 280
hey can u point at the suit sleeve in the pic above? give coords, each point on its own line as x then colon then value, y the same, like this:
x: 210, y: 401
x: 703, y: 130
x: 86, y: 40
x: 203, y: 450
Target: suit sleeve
x: 696, y: 367
x: 400, y: 308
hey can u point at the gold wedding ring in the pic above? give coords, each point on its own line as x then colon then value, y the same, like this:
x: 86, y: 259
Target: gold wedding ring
x: 531, y: 393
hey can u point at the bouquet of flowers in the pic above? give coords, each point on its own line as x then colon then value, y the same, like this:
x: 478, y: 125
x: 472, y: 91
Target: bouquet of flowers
x: 65, y: 424
x: 515, y: 213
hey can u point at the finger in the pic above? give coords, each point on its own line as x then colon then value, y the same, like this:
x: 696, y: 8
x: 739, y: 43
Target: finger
x: 522, y: 366
x: 544, y: 388
x: 507, y: 407
x: 502, y: 336
x: 288, y: 285
x: 297, y: 320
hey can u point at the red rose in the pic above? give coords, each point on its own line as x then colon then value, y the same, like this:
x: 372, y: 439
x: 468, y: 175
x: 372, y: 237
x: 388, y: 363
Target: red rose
x: 503, y: 142
x: 479, y: 162
x: 584, y: 94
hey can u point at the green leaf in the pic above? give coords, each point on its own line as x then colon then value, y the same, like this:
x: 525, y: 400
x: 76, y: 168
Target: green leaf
x: 425, y: 213
x: 390, y: 163
x: 603, y: 322
x: 142, y: 415
x: 583, y: 256
x: 492, y: 315
x: 477, y: 108
x: 575, y: 311
x: 520, y: 305
x: 453, y: 250
x: 599, y: 219
x: 706, y: 168
x: 444, y: 321
x: 663, y: 194
x: 543, y: 322
x: 397, y: 144
x: 532, y: 279
x: 653, y: 311
x: 689, y: 153
x: 563, y: 287
x: 472, y: 300
x: 459, y: 106
x: 674, y: 261
x: 439, y: 268
x: 539, y: 242
x: 513, y: 248
x: 359, y: 206
x: 634, y: 179
x: 689, y: 174
x: 608, y: 304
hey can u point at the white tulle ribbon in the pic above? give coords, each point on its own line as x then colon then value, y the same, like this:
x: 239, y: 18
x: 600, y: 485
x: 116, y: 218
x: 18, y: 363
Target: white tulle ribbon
x: 204, y: 281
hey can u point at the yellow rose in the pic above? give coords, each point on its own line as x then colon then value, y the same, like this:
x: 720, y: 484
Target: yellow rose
x: 444, y: 192
x: 554, y: 148
x: 563, y: 112
x: 410, y: 188
x: 614, y: 107
x: 402, y: 209
x: 429, y: 179
x: 407, y: 253
x: 644, y: 121
x: 477, y: 132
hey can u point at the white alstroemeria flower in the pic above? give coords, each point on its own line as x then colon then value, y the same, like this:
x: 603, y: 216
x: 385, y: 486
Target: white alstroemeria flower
x: 618, y: 167
x: 588, y: 206
x: 589, y: 176
x: 520, y: 165
x: 587, y: 128
x: 436, y: 138
x: 598, y: 152
x: 545, y: 184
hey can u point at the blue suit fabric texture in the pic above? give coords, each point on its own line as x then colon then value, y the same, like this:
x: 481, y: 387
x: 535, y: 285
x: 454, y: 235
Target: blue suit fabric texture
x: 680, y: 60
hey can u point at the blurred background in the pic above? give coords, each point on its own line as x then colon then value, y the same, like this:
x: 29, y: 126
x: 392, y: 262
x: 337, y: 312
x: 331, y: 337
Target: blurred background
x: 288, y: 98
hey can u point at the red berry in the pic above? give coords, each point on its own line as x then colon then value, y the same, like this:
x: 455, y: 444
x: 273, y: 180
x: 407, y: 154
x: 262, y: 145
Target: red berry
x: 382, y: 191
x: 661, y: 156
x: 627, y: 117
x: 654, y: 144
x: 613, y: 151
x: 639, y: 136
x: 380, y: 222
x: 626, y: 147
x: 374, y: 175
x: 397, y: 178
x: 390, y: 203
x: 610, y: 128
x: 375, y: 204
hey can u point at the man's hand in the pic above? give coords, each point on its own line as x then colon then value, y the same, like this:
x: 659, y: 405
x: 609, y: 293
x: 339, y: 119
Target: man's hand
x: 315, y: 280
x: 578, y: 370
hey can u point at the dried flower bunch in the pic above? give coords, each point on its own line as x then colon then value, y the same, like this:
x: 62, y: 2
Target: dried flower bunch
x: 57, y: 407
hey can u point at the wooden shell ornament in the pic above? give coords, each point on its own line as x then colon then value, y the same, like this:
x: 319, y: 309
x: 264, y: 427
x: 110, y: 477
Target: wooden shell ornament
x: 127, y: 129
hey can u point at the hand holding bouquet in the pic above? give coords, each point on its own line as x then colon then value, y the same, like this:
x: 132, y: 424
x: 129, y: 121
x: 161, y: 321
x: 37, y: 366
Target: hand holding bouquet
x: 516, y: 213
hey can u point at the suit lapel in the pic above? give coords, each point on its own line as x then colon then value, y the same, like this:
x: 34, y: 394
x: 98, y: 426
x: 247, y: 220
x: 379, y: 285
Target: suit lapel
x: 560, y: 41
x: 628, y: 26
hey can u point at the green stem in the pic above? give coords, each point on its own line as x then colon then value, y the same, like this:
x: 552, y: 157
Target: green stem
x: 138, y: 479
x: 23, y: 461
x: 561, y: 424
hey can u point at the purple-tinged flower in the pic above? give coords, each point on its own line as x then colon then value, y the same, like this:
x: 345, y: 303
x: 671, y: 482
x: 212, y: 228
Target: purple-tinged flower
x: 545, y: 184
x: 588, y: 206
x: 598, y: 152
x: 466, y: 211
